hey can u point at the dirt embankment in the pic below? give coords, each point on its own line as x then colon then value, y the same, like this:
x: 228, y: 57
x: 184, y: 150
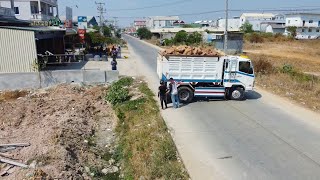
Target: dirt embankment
x: 69, y: 128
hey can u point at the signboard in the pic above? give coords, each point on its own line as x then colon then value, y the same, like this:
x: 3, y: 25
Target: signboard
x: 81, y: 33
x: 52, y: 22
x: 82, y: 22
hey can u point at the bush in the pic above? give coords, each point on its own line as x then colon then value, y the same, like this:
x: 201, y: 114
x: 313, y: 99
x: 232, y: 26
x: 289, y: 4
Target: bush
x: 181, y: 37
x: 194, y: 38
x: 118, y: 93
x: 263, y: 66
x: 246, y: 28
x: 255, y: 38
x: 144, y: 33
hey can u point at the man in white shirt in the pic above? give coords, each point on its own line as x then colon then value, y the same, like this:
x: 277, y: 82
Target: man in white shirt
x: 173, y: 87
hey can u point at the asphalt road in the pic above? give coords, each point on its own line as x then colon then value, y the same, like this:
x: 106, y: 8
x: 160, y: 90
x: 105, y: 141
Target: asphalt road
x: 253, y: 139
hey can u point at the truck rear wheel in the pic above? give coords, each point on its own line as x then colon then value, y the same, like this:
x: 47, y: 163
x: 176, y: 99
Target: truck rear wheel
x: 185, y: 94
x: 236, y: 94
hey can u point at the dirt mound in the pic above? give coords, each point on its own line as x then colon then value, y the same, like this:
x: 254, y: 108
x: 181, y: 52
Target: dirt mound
x: 62, y: 125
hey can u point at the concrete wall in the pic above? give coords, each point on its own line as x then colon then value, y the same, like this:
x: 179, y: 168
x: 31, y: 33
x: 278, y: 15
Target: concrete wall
x: 24, y: 8
x: 33, y: 80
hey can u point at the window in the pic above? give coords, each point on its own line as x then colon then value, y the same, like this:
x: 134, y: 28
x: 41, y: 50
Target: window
x: 245, y: 67
x: 318, y: 30
x: 302, y: 30
x: 310, y: 21
x: 303, y: 23
x: 288, y: 21
x: 310, y: 30
x: 16, y: 10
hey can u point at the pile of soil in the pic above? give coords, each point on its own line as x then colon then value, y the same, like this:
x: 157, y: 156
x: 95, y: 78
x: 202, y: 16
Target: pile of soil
x: 69, y: 128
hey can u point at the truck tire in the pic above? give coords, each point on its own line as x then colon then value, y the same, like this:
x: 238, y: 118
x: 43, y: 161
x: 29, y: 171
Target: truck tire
x: 185, y: 94
x: 237, y: 93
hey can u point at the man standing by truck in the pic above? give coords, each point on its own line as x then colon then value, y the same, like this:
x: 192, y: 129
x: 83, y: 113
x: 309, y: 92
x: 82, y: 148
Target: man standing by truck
x: 173, y: 87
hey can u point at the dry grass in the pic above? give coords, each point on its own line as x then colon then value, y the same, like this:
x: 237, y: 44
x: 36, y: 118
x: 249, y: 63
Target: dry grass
x: 12, y: 95
x: 303, y: 56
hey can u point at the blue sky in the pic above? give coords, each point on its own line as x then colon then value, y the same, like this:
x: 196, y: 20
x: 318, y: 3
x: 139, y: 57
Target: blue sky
x: 88, y: 8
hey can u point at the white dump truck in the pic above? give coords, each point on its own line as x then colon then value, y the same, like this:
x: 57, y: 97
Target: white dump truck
x: 226, y: 77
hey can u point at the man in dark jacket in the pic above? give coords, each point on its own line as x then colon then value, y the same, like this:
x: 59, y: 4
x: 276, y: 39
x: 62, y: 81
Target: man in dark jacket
x: 163, y: 94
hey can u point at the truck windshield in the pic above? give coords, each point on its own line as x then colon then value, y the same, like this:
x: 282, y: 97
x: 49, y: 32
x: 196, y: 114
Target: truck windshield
x: 245, y: 66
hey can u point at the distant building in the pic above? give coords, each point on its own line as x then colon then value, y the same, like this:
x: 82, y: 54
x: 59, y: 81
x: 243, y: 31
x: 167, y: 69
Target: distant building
x: 206, y: 23
x: 308, y: 24
x: 156, y: 22
x: 258, y: 19
x: 40, y: 10
x: 139, y: 24
x: 273, y: 27
x: 233, y: 24
x: 235, y: 41
x: 7, y: 18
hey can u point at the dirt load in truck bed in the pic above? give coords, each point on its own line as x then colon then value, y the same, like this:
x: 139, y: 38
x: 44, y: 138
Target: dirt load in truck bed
x: 190, y: 51
x: 69, y: 128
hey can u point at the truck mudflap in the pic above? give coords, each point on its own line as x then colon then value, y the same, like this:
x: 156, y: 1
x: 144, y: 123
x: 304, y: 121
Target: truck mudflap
x: 209, y: 92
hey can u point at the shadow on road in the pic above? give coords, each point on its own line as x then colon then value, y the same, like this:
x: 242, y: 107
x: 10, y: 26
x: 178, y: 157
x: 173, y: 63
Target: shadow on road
x: 253, y: 95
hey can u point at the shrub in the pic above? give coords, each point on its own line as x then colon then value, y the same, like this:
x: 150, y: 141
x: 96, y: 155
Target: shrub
x: 263, y: 66
x: 256, y: 38
x: 118, y: 93
x: 181, y: 37
x: 194, y: 38
x: 246, y: 28
x: 144, y: 33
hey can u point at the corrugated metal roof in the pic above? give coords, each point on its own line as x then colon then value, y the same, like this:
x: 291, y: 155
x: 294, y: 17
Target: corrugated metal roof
x: 17, y: 51
x: 39, y: 29
x: 260, y: 15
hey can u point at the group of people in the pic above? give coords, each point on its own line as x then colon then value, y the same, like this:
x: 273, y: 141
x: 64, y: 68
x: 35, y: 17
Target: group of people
x: 164, y: 91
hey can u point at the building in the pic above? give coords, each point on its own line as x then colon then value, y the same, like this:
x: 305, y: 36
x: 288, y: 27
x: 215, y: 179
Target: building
x: 233, y: 24
x: 7, y: 18
x: 20, y: 46
x: 308, y: 24
x: 272, y: 27
x: 156, y: 22
x: 258, y: 19
x: 137, y: 24
x: 206, y: 23
x: 39, y: 10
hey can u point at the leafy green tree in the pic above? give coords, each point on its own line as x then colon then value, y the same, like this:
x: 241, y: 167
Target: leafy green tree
x: 181, y: 37
x: 246, y: 28
x: 144, y: 33
x: 194, y: 38
x: 107, y: 31
x: 292, y: 30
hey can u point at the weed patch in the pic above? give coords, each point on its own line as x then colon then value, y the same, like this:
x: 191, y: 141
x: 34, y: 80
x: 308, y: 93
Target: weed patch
x: 145, y: 148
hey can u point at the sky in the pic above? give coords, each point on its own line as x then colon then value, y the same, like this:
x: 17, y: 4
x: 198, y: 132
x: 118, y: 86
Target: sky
x: 189, y: 10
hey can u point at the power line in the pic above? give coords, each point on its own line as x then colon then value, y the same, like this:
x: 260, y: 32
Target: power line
x: 154, y: 6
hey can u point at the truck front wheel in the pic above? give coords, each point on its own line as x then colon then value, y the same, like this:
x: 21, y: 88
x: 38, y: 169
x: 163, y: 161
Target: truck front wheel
x: 185, y: 94
x: 236, y: 93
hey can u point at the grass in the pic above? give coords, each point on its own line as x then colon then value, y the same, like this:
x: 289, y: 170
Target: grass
x: 281, y: 68
x: 145, y: 147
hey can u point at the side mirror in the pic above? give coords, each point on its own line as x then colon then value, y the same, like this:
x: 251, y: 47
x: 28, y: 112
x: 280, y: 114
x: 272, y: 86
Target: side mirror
x: 251, y: 70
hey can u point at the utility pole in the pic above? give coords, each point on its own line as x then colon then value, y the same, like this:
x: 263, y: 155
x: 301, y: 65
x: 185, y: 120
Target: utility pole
x: 226, y: 29
x: 115, y: 22
x: 101, y: 11
x: 12, y: 4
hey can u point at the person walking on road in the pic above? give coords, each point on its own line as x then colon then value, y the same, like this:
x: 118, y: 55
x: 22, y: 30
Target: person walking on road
x: 162, y: 94
x: 114, y: 64
x: 174, y: 93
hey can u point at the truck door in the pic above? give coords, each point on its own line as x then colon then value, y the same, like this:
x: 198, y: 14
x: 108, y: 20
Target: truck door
x: 230, y: 70
x: 245, y: 74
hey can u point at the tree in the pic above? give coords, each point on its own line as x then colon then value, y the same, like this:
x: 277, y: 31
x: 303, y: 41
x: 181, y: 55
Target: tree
x: 107, y: 31
x: 246, y: 28
x: 181, y: 37
x: 292, y: 30
x: 194, y: 38
x: 144, y: 33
